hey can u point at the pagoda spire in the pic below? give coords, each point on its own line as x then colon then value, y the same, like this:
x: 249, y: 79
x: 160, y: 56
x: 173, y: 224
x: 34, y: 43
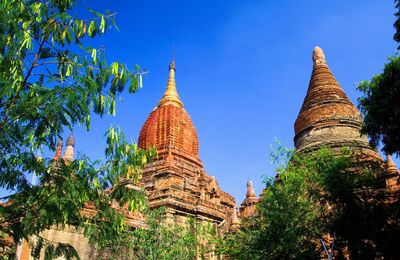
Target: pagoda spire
x: 327, y: 116
x: 171, y: 94
x: 250, y: 190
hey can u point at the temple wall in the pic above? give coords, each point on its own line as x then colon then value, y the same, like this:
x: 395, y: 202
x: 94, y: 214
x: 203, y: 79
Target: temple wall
x: 73, y: 237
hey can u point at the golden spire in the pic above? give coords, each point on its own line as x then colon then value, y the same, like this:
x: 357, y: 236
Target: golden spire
x: 171, y: 94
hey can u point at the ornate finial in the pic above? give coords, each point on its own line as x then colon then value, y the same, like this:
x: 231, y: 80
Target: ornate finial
x: 318, y: 56
x: 250, y: 190
x: 172, y: 63
x: 171, y: 95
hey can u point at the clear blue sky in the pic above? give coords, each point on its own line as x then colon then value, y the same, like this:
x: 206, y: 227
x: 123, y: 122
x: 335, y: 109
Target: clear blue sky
x: 243, y: 69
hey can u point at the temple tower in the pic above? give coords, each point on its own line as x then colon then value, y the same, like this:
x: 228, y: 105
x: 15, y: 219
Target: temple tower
x: 176, y: 179
x: 327, y: 116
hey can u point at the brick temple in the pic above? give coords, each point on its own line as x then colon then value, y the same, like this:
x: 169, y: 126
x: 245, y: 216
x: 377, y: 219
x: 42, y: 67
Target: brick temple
x: 176, y: 179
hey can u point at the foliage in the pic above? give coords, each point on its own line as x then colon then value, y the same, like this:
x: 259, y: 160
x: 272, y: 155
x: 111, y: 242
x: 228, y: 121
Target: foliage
x: 313, y: 196
x: 51, y: 81
x: 397, y: 22
x: 162, y: 239
x: 380, y: 105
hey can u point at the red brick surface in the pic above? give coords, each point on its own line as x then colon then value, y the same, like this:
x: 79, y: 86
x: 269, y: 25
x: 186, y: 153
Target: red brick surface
x: 169, y: 126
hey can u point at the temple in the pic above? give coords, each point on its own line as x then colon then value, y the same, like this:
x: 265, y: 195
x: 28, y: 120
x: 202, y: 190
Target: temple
x: 177, y: 181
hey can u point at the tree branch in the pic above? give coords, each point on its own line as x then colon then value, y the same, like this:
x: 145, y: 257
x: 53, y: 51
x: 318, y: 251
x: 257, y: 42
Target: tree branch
x: 33, y: 63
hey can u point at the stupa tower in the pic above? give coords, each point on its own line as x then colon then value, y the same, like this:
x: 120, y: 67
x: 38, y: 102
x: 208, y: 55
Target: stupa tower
x: 176, y: 179
x: 327, y: 116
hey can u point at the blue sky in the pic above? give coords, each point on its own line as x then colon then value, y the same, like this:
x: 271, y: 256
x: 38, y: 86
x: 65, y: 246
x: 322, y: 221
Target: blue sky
x: 243, y: 69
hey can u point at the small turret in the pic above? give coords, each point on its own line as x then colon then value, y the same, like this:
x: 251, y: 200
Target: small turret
x: 250, y: 190
x: 69, y: 149
x: 390, y: 165
x: 391, y: 175
x: 248, y: 207
x: 235, y: 222
x: 58, y: 150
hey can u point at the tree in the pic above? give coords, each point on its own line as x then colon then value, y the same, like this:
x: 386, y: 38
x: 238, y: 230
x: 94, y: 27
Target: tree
x: 397, y: 22
x: 51, y: 81
x: 161, y: 239
x: 380, y: 103
x: 318, y: 196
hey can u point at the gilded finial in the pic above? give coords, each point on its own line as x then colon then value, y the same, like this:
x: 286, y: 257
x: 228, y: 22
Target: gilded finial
x: 172, y: 63
x: 171, y: 94
x: 318, y: 56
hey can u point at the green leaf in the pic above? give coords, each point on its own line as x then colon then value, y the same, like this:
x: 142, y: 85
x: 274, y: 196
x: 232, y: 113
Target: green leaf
x: 102, y: 24
x: 92, y: 29
x: 112, y: 108
x: 87, y: 122
x: 94, y: 55
x: 114, y: 68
